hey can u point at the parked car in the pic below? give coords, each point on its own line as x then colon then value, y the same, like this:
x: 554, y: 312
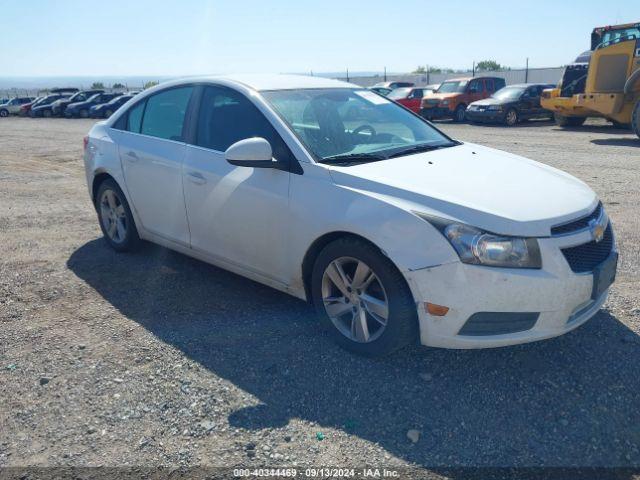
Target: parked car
x: 26, y: 108
x: 511, y: 105
x: 41, y: 109
x: 105, y: 110
x: 12, y: 107
x: 59, y: 106
x: 384, y: 91
x: 392, y: 229
x: 453, y: 96
x: 410, y: 97
x: 394, y: 85
x: 81, y: 109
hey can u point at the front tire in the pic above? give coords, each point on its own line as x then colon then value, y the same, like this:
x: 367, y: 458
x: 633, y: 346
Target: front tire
x: 4, y: 113
x: 563, y: 121
x: 84, y: 113
x: 511, y: 117
x: 362, y: 298
x: 116, y: 221
x: 46, y: 114
x: 460, y: 114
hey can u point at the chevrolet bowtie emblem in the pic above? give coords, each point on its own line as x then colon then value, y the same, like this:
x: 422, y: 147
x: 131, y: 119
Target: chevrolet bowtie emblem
x: 597, y: 229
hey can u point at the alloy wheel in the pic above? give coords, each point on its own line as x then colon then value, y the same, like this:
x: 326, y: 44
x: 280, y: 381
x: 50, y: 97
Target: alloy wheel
x: 113, y: 216
x: 512, y: 117
x: 354, y: 299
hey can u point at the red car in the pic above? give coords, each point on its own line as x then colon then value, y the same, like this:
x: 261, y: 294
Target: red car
x: 410, y: 97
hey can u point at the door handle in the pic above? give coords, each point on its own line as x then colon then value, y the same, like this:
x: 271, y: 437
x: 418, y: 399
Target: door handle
x: 132, y: 156
x: 197, y: 178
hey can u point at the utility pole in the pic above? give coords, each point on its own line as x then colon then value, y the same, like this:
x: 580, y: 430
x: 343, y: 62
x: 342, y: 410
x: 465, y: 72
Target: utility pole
x: 347, y: 74
x: 473, y: 69
x: 385, y: 74
x: 526, y: 72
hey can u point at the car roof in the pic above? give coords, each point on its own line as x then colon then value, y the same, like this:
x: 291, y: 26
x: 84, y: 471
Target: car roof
x: 262, y: 82
x: 526, y: 85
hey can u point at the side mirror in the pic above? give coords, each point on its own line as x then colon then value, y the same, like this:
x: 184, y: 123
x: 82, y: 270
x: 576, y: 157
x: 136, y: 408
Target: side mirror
x: 251, y: 152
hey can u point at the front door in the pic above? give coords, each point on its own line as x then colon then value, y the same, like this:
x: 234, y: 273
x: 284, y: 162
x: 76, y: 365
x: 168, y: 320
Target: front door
x: 237, y: 214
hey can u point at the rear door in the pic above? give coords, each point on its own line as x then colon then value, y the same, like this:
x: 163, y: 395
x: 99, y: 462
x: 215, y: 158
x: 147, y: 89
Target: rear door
x: 238, y: 214
x: 152, y: 150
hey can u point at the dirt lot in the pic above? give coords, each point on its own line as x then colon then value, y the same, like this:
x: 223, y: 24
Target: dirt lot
x: 154, y: 358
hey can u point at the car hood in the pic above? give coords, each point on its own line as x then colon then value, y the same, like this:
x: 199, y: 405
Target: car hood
x: 492, y: 101
x: 441, y: 96
x: 490, y: 189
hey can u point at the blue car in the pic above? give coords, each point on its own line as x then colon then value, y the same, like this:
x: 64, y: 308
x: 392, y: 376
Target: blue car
x: 81, y: 109
x: 105, y: 110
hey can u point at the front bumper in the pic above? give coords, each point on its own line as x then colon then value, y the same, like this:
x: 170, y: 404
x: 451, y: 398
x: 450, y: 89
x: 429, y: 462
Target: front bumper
x: 489, y: 116
x: 436, y: 113
x: 561, y: 297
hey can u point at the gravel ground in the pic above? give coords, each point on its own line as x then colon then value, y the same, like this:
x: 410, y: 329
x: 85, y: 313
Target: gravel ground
x: 157, y: 359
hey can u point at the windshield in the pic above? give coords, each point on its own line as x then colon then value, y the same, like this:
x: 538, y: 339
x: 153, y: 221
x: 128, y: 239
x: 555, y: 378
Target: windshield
x: 508, y: 93
x: 347, y: 122
x: 399, y: 93
x: 452, y: 87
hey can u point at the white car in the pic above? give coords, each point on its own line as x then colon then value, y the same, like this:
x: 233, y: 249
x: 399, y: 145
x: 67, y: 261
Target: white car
x: 12, y: 107
x: 393, y: 230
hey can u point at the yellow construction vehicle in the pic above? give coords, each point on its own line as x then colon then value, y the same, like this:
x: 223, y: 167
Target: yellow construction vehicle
x: 603, y: 82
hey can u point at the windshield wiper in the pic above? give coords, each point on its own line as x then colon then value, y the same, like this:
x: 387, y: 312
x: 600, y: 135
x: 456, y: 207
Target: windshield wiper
x: 421, y: 148
x: 349, y: 158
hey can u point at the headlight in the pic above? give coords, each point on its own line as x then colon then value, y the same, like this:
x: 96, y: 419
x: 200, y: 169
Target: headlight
x: 444, y: 103
x: 477, y: 247
x: 494, y: 107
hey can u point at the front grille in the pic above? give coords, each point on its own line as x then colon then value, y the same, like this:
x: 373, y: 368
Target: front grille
x: 576, y: 225
x: 584, y: 258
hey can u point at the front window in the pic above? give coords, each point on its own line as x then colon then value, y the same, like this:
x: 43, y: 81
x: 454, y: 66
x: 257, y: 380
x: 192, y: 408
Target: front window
x: 94, y: 98
x: 613, y: 36
x: 358, y: 124
x: 399, y: 93
x: 453, y: 87
x: 508, y: 93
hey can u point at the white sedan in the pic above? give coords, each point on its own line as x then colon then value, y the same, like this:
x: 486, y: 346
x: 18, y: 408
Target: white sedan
x: 332, y: 193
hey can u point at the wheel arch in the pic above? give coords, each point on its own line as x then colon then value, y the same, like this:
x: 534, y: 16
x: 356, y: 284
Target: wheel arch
x: 98, y: 178
x: 316, y: 247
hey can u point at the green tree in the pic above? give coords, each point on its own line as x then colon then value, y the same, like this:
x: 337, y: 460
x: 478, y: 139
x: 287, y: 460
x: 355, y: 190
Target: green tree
x: 420, y: 69
x: 150, y: 84
x: 488, y: 66
x: 118, y: 86
x: 97, y: 86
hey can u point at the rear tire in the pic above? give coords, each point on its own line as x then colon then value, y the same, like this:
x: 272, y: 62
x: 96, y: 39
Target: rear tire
x: 115, y: 218
x: 635, y: 119
x: 4, y: 113
x: 46, y: 114
x: 84, y: 113
x: 460, y: 114
x: 563, y: 121
x: 358, y: 323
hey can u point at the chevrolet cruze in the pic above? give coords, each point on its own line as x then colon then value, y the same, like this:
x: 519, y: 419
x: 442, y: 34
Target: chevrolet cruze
x: 330, y: 192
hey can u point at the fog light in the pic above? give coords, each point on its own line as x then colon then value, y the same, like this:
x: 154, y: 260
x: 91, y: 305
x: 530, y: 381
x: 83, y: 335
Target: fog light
x: 437, y: 310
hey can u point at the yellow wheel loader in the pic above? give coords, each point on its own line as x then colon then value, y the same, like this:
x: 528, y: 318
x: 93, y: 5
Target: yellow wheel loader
x: 603, y: 82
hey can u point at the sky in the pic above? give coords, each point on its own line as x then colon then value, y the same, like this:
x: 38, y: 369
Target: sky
x: 192, y: 37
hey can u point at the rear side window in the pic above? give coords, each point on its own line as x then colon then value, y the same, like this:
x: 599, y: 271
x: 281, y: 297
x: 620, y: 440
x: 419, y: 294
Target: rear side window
x: 134, y: 118
x: 165, y: 113
x: 227, y: 116
x: 500, y: 83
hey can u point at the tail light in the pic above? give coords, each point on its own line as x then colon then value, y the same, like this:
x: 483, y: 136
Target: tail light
x: 85, y: 142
